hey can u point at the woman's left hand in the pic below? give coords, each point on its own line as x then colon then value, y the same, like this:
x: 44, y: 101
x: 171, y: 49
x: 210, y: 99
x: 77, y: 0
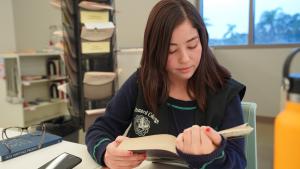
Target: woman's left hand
x: 198, y: 140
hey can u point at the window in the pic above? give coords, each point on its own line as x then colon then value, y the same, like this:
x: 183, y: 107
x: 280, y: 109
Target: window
x: 271, y: 22
x: 225, y: 21
x: 277, y: 22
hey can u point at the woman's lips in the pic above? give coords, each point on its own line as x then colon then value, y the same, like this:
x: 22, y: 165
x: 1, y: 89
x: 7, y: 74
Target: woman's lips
x: 184, y: 69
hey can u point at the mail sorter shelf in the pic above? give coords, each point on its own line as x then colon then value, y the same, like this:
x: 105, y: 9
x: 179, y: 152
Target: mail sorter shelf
x: 31, y: 82
x: 90, y: 45
x: 100, y: 64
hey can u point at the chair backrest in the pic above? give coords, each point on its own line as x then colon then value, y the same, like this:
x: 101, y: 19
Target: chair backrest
x: 249, y: 113
x: 97, y: 86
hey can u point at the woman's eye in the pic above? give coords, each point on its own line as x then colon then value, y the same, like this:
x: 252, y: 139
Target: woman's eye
x: 172, y: 51
x: 193, y: 46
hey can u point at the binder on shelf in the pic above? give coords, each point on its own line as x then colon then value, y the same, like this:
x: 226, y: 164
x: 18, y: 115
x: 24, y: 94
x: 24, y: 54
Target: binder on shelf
x: 94, y: 16
x: 97, y: 31
x: 53, y: 68
x: 95, y: 47
x: 102, y: 82
x: 94, y: 6
x: 53, y: 90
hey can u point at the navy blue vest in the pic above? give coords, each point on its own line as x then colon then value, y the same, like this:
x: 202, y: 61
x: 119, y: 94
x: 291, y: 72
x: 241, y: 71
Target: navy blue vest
x: 146, y: 122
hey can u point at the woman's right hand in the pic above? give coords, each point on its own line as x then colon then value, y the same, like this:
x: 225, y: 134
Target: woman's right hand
x: 115, y: 158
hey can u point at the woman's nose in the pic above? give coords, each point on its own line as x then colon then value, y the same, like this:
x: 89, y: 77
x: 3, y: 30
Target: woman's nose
x: 184, y: 56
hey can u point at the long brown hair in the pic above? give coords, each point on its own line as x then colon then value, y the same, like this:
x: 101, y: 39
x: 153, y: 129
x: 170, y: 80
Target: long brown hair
x: 209, y: 76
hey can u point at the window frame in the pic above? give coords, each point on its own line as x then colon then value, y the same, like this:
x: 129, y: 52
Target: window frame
x: 251, y: 24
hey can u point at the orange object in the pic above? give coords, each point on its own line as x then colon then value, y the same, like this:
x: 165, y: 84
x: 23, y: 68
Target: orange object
x: 287, y: 137
x: 287, y: 123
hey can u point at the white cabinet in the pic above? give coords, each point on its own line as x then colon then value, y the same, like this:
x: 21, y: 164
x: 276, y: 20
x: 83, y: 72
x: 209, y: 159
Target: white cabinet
x: 29, y: 92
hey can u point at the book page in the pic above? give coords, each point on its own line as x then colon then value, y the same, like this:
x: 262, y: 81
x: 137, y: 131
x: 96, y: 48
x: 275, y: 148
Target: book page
x: 154, y: 142
x: 238, y: 131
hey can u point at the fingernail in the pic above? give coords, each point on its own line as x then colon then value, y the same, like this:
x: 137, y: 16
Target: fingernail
x: 207, y: 129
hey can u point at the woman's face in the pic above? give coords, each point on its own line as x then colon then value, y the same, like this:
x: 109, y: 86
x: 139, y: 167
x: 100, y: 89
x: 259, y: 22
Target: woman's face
x: 184, y: 52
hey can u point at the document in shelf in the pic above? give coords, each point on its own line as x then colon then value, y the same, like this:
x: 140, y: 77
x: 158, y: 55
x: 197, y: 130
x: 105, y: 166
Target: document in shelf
x: 97, y: 31
x: 94, y: 16
x: 94, y: 6
x: 95, y: 47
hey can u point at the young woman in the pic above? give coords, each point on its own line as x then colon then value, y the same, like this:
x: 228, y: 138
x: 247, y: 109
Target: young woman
x: 179, y: 89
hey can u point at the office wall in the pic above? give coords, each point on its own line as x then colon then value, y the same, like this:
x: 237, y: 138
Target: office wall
x: 32, y: 21
x: 7, y: 28
x: 131, y: 18
x: 261, y: 71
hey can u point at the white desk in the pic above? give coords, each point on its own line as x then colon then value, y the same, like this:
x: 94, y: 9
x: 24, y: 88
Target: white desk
x: 39, y: 157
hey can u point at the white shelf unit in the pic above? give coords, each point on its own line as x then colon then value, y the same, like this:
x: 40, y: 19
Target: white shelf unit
x: 17, y: 108
x: 51, y: 79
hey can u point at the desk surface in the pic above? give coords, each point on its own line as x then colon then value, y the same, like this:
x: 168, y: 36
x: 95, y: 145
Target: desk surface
x: 39, y: 157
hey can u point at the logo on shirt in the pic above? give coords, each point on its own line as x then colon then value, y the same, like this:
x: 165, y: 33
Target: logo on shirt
x: 141, y: 125
x: 147, y: 113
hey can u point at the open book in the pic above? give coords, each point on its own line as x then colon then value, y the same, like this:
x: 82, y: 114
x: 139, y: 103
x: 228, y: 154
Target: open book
x: 161, y: 147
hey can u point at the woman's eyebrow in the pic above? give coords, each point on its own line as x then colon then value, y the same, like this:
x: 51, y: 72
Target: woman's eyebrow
x: 193, y: 38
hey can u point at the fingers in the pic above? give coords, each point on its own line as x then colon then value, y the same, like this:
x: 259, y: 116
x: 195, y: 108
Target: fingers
x: 198, y: 140
x: 196, y: 134
x: 190, y: 140
x: 121, y: 159
x: 112, y: 149
x: 187, y: 139
x: 131, y: 162
x: 132, y: 157
x: 118, y: 152
x: 179, y: 142
x: 213, y: 135
x: 119, y: 139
